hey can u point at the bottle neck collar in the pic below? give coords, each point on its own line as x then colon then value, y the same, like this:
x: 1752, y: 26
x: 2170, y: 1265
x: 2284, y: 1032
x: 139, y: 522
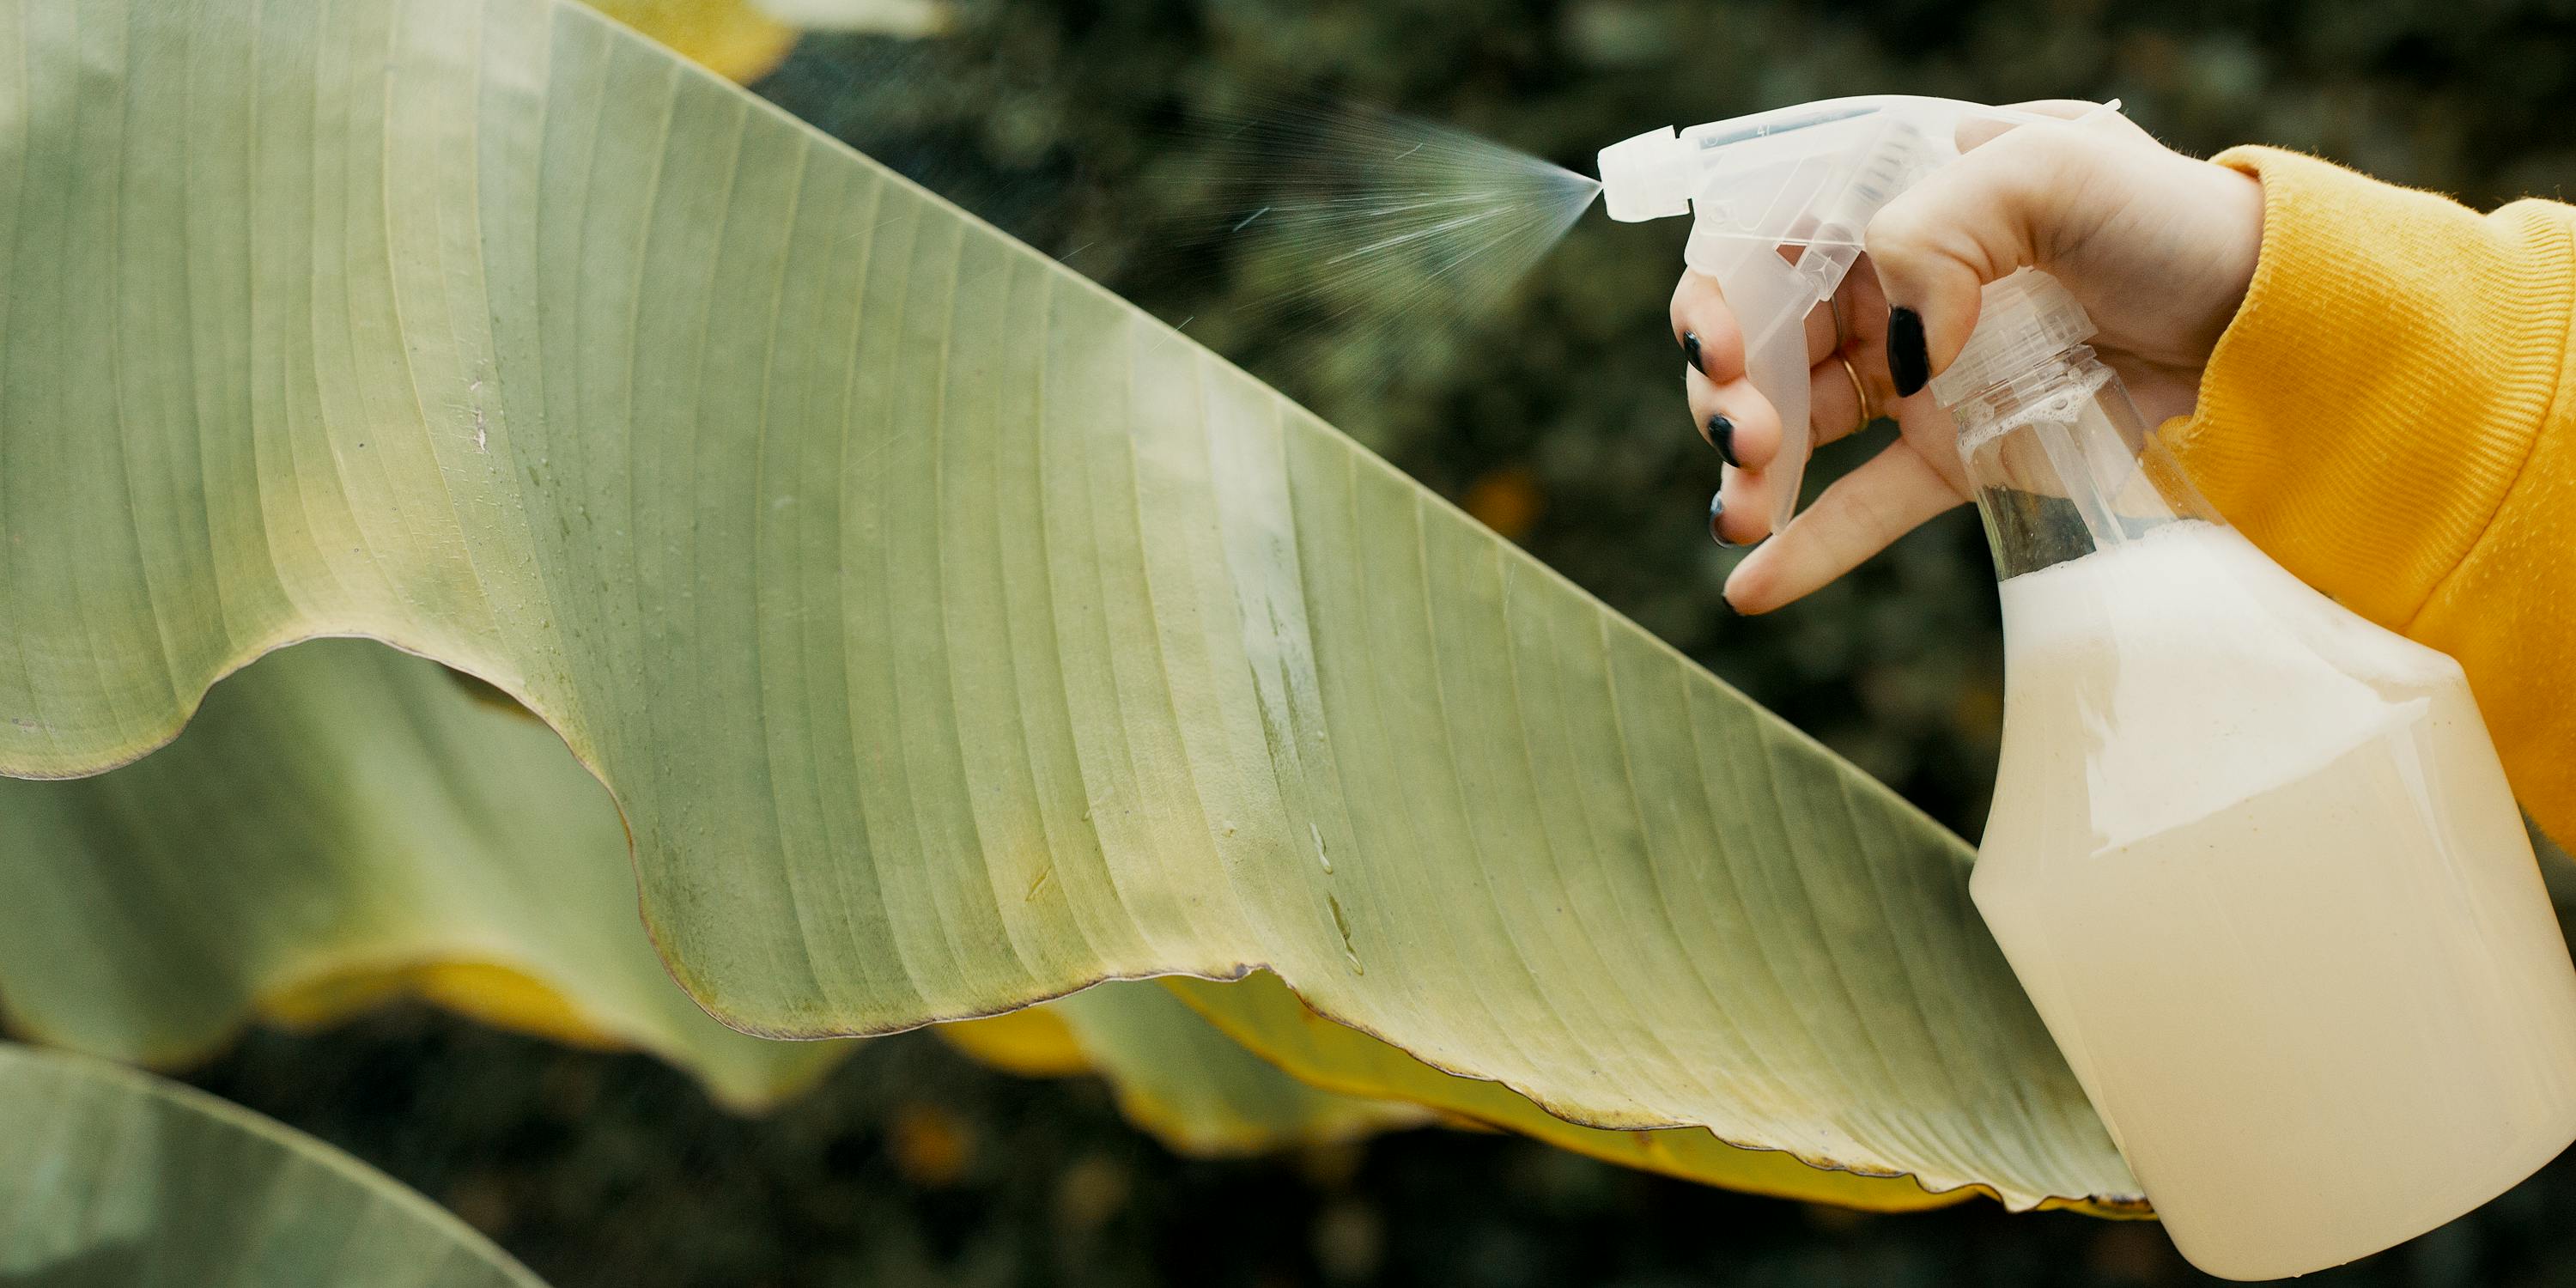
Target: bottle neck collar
x: 2061, y: 466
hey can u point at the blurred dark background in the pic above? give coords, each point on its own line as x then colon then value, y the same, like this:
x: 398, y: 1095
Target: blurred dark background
x: 1556, y: 416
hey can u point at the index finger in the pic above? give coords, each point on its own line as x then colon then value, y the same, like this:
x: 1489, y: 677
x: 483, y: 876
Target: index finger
x: 1705, y: 328
x: 1987, y: 130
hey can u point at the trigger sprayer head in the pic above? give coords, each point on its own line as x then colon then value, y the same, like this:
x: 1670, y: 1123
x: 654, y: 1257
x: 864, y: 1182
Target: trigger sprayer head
x: 1809, y: 176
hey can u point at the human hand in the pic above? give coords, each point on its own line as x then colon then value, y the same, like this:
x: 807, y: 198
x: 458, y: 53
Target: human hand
x: 2158, y: 247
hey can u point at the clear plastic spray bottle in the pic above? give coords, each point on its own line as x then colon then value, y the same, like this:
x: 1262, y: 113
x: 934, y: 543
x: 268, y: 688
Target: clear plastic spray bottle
x: 2253, y: 857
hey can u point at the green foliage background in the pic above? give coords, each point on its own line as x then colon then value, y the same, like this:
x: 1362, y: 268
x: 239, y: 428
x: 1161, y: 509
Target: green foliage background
x: 1080, y: 127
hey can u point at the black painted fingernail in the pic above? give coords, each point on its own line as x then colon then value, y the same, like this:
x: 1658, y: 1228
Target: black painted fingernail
x: 1908, y: 365
x: 1717, y: 511
x: 1690, y: 350
x: 1721, y: 435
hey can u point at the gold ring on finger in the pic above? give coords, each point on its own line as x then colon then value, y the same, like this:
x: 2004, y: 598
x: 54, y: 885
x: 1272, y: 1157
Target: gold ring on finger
x: 1859, y: 390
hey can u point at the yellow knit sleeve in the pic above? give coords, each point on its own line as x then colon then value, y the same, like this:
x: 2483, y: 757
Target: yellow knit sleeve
x: 2388, y: 416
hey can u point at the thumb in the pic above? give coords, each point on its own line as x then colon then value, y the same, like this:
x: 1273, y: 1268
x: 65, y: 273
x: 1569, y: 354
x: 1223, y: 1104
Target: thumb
x: 1970, y: 223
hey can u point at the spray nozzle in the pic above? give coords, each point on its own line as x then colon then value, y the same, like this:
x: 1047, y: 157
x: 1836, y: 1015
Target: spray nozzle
x: 1647, y: 177
x: 1809, y: 176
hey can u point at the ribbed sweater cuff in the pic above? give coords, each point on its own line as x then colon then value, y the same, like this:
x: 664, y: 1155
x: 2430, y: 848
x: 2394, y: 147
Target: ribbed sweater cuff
x: 2372, y: 401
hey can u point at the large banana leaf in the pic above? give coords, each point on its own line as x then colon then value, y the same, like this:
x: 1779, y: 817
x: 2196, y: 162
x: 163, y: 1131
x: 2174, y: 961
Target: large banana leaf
x: 341, y: 821
x: 110, y: 1177
x: 952, y: 634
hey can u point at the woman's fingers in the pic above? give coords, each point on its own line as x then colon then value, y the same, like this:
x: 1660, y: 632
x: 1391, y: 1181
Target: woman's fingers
x: 1710, y: 337
x: 1713, y: 349
x: 1833, y: 401
x: 1735, y: 419
x: 1890, y: 495
x: 1738, y: 420
x: 1745, y: 429
x: 1705, y: 328
x: 1983, y: 129
x: 1740, y: 513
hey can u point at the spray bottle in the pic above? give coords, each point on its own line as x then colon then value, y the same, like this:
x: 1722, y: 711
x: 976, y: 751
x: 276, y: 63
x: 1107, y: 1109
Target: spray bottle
x: 2252, y: 856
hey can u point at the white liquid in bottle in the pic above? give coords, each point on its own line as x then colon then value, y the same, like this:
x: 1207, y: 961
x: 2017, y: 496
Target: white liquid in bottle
x: 2256, y: 863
